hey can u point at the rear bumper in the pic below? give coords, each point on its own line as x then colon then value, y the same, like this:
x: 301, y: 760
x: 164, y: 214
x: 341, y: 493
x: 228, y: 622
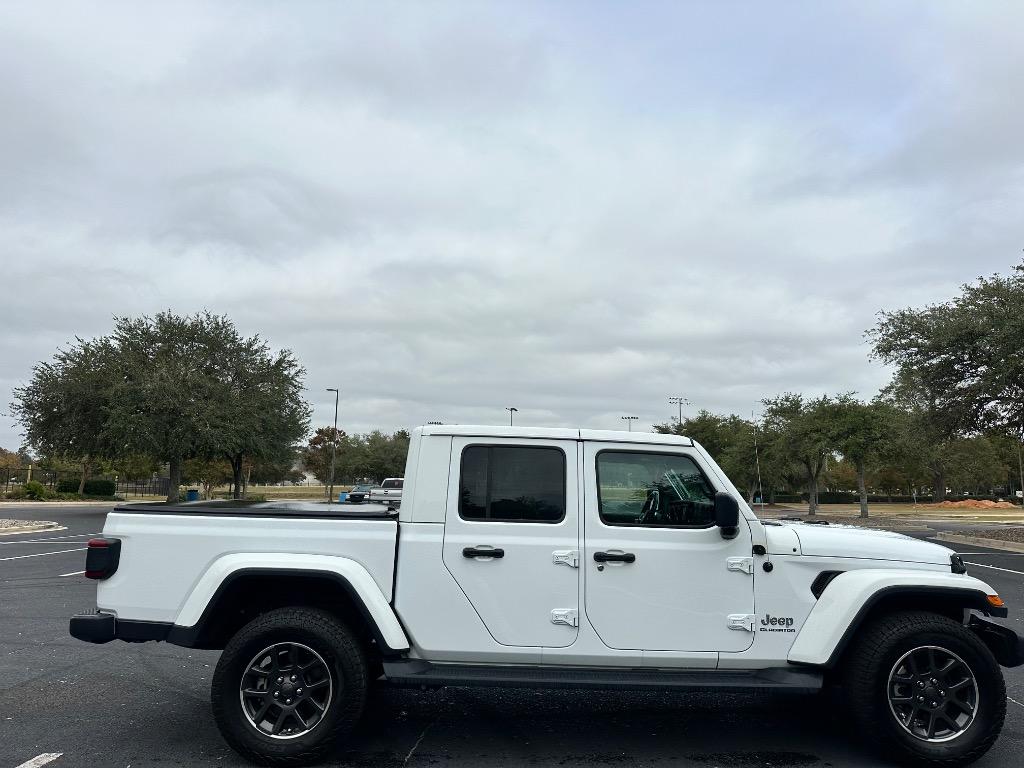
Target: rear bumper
x: 104, y: 627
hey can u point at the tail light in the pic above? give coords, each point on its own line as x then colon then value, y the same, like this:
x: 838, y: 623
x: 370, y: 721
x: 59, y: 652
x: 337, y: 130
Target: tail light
x: 102, y: 558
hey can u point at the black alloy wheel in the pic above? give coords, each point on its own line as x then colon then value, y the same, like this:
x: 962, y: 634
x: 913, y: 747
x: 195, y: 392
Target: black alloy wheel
x: 285, y: 690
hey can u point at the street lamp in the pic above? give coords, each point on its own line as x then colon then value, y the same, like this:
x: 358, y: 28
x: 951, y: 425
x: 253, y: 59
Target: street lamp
x: 679, y: 400
x: 510, y: 412
x: 629, y: 421
x: 334, y: 446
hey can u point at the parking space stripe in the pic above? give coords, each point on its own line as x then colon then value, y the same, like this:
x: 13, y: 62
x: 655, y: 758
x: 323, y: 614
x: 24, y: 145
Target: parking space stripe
x: 38, y: 760
x: 43, y: 554
x: 995, y: 568
x: 73, y: 573
x: 45, y: 543
x: 49, y: 538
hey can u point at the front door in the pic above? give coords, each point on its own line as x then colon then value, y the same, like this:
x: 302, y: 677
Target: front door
x: 657, y: 571
x: 511, y: 536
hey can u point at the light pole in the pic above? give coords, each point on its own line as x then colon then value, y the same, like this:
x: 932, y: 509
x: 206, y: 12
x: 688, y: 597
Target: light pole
x: 334, y: 446
x: 629, y: 421
x: 679, y: 400
x: 510, y: 412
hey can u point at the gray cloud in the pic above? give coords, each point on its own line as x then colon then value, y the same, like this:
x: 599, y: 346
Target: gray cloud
x: 445, y: 209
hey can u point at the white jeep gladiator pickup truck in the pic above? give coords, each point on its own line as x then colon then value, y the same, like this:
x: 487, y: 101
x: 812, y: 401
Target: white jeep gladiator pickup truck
x: 552, y: 557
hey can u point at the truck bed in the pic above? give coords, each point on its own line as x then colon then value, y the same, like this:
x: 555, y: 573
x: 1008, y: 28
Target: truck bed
x: 166, y: 549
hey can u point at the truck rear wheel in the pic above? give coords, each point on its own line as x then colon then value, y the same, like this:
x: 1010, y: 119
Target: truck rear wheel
x: 288, y: 685
x: 926, y: 689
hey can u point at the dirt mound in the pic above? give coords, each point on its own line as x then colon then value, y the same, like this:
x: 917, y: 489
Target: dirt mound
x: 971, y: 504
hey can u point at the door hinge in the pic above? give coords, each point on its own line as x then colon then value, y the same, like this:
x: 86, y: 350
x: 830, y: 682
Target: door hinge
x: 570, y: 557
x: 741, y: 622
x: 742, y: 564
x: 568, y: 616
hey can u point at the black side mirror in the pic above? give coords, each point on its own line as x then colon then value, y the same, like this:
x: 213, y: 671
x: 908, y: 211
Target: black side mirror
x: 727, y: 514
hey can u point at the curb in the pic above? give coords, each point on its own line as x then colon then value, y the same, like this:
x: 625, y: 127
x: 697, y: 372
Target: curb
x: 46, y: 525
x: 980, y: 541
x: 27, y: 502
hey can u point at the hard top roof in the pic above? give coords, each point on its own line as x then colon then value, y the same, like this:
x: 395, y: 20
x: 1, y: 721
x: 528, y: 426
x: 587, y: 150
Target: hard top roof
x: 554, y: 433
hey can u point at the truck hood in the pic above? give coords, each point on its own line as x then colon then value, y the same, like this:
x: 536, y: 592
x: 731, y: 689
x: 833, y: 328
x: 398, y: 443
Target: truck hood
x: 867, y: 543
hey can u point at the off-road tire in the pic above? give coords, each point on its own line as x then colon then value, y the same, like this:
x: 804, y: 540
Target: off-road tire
x: 340, y: 650
x: 879, y: 646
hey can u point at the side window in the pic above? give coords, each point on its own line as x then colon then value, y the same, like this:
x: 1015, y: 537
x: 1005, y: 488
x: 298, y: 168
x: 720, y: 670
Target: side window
x: 510, y: 483
x: 653, y: 489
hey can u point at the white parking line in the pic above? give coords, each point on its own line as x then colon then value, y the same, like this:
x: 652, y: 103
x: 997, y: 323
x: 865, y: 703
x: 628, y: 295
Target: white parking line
x: 50, y: 538
x: 48, y: 543
x: 73, y: 573
x: 43, y: 554
x: 38, y: 760
x: 1015, y: 701
x: 994, y: 568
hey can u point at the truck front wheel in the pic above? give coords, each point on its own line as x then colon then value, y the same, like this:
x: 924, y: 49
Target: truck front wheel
x: 288, y: 685
x: 926, y: 689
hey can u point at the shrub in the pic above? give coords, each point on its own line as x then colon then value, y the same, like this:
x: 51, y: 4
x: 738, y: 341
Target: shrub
x: 36, y: 491
x: 95, y: 487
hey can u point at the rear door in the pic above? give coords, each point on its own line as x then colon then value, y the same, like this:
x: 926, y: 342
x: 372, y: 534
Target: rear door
x: 511, y: 537
x: 658, y: 574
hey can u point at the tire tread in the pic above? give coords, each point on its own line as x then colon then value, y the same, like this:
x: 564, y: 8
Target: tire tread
x: 861, y: 665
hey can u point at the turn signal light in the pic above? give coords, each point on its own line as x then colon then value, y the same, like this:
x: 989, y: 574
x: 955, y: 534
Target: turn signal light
x: 995, y: 601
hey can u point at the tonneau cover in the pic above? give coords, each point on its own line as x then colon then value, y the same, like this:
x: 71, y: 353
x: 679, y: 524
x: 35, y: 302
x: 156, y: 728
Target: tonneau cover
x: 262, y: 509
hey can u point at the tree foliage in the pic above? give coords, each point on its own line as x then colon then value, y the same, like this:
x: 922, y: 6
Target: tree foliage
x: 64, y: 407
x: 372, y: 456
x: 167, y: 388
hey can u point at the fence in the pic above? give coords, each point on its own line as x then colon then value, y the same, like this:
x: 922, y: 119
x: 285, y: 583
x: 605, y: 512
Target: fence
x: 10, y: 479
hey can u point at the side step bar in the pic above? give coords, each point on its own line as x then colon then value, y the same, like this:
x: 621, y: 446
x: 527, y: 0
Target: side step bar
x: 414, y: 672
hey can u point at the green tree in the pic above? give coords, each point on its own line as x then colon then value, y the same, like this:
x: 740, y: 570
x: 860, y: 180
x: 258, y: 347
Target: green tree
x: 208, y: 473
x: 976, y: 466
x: 267, y: 413
x: 728, y: 439
x: 9, y: 460
x: 63, y: 408
x: 316, y: 455
x: 966, y: 353
x: 804, y: 433
x: 192, y: 388
x: 861, y: 432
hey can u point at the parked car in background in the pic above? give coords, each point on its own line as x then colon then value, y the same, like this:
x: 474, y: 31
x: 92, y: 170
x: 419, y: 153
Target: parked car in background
x: 360, y: 492
x: 390, y: 492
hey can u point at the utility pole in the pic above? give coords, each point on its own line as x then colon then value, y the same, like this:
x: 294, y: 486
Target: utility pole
x: 629, y: 421
x: 510, y: 412
x: 679, y: 400
x: 334, y: 445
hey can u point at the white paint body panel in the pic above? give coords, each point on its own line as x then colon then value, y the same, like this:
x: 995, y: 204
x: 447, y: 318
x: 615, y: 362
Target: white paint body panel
x: 842, y: 541
x: 678, y: 593
x: 670, y: 612
x: 848, y: 592
x: 354, y: 573
x: 164, y: 557
x: 514, y: 595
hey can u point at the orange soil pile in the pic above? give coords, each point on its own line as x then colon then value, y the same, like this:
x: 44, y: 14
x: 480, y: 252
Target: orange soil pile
x: 971, y: 504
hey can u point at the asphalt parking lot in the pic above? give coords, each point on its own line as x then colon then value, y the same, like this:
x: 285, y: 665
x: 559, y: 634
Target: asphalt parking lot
x: 148, y: 704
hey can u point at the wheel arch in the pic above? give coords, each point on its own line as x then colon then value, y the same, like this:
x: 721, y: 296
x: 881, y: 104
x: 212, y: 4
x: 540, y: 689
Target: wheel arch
x: 855, y: 597
x: 232, y: 593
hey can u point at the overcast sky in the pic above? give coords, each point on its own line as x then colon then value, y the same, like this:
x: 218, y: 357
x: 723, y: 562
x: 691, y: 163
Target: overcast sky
x: 577, y: 209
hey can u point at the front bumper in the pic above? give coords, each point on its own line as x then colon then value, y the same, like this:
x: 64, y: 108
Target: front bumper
x: 1006, y: 645
x: 104, y: 627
